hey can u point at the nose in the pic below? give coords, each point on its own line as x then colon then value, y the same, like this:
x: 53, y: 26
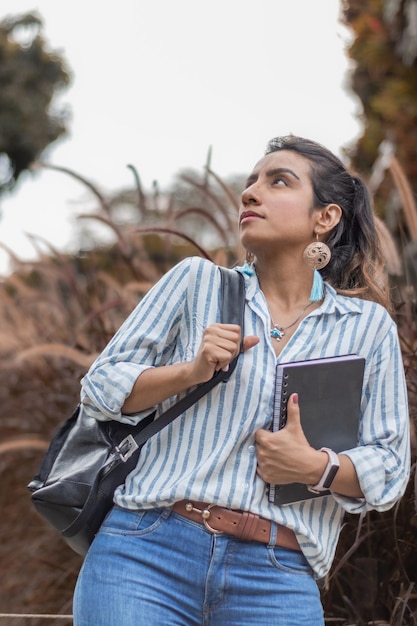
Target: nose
x: 250, y: 195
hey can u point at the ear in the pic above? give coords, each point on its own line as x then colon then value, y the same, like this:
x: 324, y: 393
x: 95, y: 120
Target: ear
x: 327, y: 218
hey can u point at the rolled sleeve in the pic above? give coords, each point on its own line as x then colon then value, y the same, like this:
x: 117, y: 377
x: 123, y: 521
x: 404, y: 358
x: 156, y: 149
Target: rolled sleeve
x: 103, y: 400
x: 382, y: 459
x: 148, y: 338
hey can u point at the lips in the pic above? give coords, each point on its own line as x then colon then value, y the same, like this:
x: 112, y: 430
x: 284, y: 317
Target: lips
x: 249, y: 215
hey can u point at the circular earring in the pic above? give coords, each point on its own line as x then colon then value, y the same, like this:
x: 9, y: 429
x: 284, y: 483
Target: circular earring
x: 317, y: 254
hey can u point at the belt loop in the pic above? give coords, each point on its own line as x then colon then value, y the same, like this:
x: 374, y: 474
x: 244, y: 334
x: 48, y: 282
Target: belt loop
x: 273, y: 535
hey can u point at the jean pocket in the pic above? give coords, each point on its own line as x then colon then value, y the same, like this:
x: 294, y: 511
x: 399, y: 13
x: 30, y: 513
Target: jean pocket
x: 125, y: 522
x: 290, y: 561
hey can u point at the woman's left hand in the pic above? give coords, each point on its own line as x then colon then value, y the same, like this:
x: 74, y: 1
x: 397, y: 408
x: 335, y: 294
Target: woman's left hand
x: 286, y: 456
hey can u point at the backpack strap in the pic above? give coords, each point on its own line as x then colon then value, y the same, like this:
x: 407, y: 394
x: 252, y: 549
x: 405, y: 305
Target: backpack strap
x: 233, y: 308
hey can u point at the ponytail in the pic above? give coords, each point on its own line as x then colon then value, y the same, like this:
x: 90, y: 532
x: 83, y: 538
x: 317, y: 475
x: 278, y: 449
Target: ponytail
x: 357, y: 267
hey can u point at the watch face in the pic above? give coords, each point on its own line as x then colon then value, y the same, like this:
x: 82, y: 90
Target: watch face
x: 332, y: 473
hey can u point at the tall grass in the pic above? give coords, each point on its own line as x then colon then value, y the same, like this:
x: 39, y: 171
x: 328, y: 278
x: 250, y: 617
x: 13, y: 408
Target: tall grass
x: 57, y: 313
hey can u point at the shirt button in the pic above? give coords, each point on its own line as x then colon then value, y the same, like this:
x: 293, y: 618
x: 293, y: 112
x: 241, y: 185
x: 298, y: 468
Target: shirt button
x: 245, y: 485
x: 251, y: 449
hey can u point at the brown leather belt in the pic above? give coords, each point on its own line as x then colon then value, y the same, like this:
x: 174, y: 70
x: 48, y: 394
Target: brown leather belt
x: 240, y: 524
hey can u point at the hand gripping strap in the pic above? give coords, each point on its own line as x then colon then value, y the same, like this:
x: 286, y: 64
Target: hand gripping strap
x: 233, y: 309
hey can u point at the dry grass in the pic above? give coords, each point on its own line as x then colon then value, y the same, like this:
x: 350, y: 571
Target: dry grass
x: 58, y: 313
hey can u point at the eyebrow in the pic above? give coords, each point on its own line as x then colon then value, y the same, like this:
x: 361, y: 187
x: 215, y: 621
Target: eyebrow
x: 271, y: 173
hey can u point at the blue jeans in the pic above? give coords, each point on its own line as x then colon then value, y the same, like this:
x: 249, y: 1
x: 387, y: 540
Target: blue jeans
x: 157, y: 568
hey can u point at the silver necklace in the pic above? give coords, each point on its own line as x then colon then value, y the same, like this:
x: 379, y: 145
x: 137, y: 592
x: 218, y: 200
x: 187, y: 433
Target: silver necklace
x: 277, y: 331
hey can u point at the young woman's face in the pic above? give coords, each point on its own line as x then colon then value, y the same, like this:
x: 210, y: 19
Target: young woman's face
x: 276, y: 206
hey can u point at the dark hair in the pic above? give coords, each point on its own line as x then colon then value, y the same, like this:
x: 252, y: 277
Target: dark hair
x: 356, y: 267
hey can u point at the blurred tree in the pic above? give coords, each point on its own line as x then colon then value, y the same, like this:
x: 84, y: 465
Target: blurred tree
x: 30, y: 77
x: 384, y: 51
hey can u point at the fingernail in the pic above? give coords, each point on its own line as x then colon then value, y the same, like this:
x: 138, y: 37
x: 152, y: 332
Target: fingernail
x: 295, y: 398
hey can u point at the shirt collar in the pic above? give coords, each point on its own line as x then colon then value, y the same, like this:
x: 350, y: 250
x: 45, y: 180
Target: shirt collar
x: 333, y: 301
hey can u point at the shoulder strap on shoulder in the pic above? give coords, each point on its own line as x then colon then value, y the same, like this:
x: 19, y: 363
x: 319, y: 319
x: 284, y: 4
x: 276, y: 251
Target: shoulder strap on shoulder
x: 233, y: 296
x: 233, y: 307
x: 233, y: 303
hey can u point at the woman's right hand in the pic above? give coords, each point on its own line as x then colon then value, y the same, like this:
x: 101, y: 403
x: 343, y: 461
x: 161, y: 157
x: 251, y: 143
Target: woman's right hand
x: 219, y: 346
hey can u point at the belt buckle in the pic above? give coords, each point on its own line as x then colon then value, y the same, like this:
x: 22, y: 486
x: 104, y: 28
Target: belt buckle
x: 205, y: 514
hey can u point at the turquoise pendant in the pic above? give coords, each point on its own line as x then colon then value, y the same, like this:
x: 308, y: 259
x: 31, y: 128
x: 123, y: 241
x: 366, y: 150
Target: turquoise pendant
x: 276, y: 333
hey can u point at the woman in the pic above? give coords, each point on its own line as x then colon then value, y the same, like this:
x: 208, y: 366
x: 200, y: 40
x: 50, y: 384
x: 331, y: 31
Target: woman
x: 159, y: 557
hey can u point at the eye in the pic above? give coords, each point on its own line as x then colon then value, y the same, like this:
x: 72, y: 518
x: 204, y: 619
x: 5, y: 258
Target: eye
x: 280, y: 181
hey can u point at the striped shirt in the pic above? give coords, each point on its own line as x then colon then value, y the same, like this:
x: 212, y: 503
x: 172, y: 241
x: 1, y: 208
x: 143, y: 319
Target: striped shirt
x: 208, y: 454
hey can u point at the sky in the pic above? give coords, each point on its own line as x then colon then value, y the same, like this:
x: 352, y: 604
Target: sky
x: 155, y: 83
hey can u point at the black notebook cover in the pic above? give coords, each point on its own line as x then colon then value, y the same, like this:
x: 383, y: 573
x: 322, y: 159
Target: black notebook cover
x: 329, y: 396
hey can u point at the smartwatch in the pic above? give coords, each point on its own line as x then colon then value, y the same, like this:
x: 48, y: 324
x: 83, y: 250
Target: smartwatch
x: 329, y: 473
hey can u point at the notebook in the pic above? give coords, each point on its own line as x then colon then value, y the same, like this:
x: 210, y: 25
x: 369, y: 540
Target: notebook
x: 329, y: 396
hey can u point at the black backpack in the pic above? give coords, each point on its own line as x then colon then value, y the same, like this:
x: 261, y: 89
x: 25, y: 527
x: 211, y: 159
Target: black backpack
x: 88, y: 459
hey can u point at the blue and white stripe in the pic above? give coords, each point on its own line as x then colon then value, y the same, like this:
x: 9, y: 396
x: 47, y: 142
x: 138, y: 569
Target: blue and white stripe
x: 208, y: 454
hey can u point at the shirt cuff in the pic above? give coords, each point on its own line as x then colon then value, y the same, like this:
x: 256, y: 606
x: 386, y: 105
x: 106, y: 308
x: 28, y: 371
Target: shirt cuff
x: 104, y: 392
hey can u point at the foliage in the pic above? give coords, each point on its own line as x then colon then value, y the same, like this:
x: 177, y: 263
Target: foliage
x: 384, y: 52
x: 30, y: 77
x: 57, y: 313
